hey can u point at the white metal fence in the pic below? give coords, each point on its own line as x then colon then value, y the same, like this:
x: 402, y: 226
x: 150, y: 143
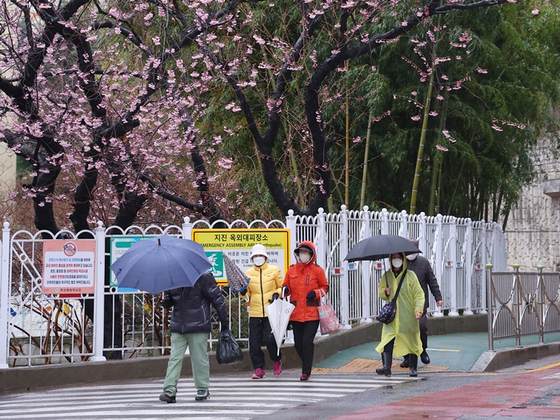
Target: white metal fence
x: 45, y: 329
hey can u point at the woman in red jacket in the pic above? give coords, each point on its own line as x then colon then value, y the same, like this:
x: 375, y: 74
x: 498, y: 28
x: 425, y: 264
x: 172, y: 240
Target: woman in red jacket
x: 306, y: 283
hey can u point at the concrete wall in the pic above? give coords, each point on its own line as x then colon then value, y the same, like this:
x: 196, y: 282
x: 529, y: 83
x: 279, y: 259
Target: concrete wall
x: 533, y: 228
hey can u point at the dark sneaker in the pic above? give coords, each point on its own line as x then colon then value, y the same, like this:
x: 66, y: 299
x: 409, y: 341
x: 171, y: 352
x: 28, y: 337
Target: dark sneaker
x: 167, y: 397
x: 304, y: 377
x: 202, y: 395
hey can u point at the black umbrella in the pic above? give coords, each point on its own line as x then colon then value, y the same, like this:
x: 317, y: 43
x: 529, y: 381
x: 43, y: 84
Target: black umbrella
x: 381, y: 246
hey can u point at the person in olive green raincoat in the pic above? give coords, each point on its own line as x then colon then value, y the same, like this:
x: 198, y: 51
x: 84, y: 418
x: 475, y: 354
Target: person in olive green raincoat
x: 402, y: 335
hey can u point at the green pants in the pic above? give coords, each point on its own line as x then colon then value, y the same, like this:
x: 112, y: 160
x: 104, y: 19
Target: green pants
x: 197, y: 344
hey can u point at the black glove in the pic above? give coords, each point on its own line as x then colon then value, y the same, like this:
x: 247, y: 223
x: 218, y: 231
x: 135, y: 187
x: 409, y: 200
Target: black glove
x: 274, y: 297
x: 243, y: 293
x: 167, y: 301
x: 285, y: 290
x: 311, y: 295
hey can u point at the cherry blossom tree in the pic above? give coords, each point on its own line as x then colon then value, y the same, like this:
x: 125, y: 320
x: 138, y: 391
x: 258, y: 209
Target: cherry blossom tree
x: 119, y: 105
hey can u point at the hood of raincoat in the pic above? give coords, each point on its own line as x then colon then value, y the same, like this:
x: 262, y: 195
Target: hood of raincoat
x: 307, y: 246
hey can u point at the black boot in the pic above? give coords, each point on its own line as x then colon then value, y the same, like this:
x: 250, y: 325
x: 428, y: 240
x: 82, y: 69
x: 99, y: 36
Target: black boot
x: 405, y: 364
x: 413, y: 361
x: 387, y: 359
x: 425, y: 358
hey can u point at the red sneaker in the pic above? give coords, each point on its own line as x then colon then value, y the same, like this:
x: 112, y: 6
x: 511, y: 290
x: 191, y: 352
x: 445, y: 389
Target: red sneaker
x: 277, y: 368
x: 304, y: 377
x: 259, y: 374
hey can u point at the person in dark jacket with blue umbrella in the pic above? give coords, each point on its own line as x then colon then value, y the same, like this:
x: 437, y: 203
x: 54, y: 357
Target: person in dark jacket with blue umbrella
x: 191, y: 322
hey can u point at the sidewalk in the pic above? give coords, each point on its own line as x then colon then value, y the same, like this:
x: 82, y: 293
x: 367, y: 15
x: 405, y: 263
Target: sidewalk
x: 465, y: 352
x: 454, y: 352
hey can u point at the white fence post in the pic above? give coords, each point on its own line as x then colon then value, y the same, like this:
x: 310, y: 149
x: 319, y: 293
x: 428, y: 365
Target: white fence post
x: 292, y: 232
x: 403, y: 229
x: 468, y: 267
x: 438, y: 250
x: 384, y: 222
x: 344, y: 292
x: 291, y: 225
x: 438, y: 247
x: 484, y: 263
x: 452, y: 255
x: 366, y: 269
x: 321, y: 239
x: 498, y: 242
x: 422, y: 233
x: 5, y: 284
x: 99, y: 295
x: 187, y: 228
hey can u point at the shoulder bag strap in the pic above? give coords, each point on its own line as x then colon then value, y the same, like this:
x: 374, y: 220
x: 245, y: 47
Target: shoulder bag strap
x: 400, y: 284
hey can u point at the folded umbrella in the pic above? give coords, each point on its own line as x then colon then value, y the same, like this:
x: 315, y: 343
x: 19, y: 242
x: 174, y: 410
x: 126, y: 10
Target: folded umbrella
x: 157, y: 264
x: 236, y: 278
x: 279, y: 313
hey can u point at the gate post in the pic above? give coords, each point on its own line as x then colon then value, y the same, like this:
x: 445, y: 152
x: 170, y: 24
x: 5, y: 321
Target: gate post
x: 99, y: 294
x: 5, y: 284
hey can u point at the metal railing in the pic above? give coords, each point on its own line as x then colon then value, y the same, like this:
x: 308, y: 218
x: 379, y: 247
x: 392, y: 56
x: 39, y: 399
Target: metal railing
x: 40, y: 329
x: 522, y: 304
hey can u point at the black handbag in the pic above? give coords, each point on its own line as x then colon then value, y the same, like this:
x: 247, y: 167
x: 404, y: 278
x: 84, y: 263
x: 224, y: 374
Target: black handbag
x: 228, y: 351
x: 389, y: 310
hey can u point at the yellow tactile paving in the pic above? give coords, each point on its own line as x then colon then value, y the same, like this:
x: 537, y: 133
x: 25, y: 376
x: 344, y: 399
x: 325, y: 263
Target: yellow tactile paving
x: 369, y: 365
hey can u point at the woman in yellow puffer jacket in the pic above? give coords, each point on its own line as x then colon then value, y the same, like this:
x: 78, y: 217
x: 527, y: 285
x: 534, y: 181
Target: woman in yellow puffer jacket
x: 264, y: 286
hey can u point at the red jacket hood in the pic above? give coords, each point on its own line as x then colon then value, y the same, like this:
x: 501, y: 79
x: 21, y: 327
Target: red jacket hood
x: 310, y: 245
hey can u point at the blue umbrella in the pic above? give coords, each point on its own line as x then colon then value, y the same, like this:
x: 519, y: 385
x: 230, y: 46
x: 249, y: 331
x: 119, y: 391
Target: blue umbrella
x: 163, y: 263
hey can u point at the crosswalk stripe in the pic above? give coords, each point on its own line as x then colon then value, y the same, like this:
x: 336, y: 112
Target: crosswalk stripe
x: 231, y: 397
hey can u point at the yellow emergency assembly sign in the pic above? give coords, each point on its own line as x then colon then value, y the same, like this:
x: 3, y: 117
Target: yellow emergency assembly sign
x: 237, y: 245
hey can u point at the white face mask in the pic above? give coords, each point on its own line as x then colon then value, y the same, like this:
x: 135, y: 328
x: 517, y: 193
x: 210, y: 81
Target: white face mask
x: 259, y: 260
x: 397, y: 262
x: 304, y: 257
x: 411, y: 257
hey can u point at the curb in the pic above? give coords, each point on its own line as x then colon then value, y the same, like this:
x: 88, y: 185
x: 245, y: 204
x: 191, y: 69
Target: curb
x: 493, y: 360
